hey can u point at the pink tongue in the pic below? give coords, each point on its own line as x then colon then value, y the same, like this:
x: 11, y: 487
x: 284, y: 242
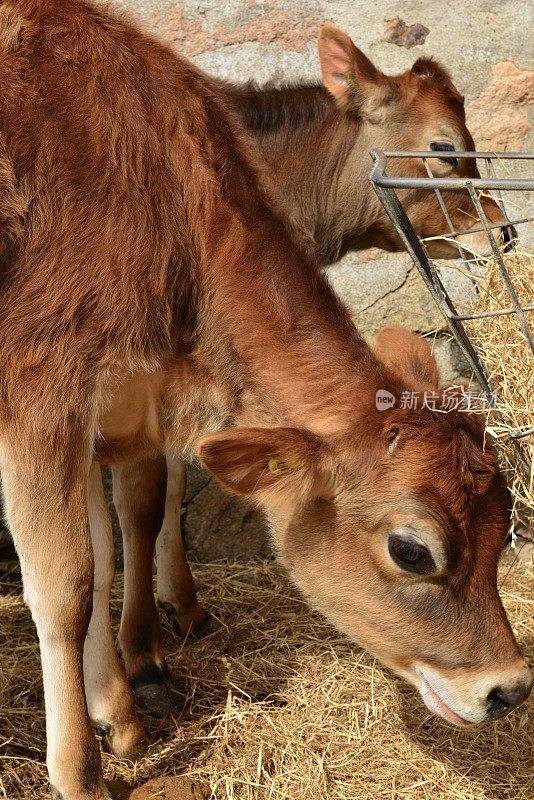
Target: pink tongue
x: 437, y: 706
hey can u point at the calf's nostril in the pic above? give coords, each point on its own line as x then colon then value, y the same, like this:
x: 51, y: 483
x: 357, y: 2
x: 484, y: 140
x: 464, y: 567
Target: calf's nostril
x: 501, y: 701
x: 508, y: 237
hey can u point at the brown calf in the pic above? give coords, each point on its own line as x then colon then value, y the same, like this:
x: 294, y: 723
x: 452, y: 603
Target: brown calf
x: 153, y: 295
x: 315, y: 141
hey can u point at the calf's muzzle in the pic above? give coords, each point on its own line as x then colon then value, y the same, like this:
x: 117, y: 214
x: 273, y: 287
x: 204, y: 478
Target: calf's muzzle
x: 503, y: 699
x: 508, y: 237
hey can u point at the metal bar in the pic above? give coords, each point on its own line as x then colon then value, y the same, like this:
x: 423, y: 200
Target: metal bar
x: 379, y: 178
x: 522, y: 434
x: 457, y: 153
x: 521, y: 460
x: 500, y: 312
x: 502, y: 266
x: 454, y: 184
x: 480, y: 228
x: 398, y: 216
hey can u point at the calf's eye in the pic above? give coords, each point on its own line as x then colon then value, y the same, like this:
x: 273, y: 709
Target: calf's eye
x: 446, y: 148
x: 410, y: 554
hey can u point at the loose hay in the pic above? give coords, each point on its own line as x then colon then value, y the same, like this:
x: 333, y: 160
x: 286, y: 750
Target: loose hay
x: 276, y: 704
x: 506, y: 353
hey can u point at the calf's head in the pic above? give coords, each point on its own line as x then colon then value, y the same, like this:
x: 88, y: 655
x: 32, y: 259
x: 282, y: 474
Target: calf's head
x: 420, y: 109
x: 394, y: 530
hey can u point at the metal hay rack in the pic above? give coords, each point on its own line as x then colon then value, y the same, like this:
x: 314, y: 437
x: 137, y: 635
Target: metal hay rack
x: 504, y: 190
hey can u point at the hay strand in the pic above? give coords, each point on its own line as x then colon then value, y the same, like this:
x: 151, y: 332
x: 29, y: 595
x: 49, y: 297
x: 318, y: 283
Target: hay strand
x: 509, y: 362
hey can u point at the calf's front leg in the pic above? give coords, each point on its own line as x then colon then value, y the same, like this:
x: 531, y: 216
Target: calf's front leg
x: 45, y: 488
x: 109, y: 696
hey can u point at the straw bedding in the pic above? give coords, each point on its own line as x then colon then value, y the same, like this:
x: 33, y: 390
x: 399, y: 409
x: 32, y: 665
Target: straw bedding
x: 275, y: 704
x: 509, y: 361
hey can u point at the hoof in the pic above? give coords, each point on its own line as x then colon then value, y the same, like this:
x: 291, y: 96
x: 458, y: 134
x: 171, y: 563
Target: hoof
x: 57, y: 795
x: 153, y: 699
x: 197, y: 623
x: 202, y: 627
x: 127, y: 741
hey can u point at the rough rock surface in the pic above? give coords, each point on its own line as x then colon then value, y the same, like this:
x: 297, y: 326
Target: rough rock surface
x: 403, y: 35
x: 257, y: 22
x: 498, y: 118
x: 216, y: 525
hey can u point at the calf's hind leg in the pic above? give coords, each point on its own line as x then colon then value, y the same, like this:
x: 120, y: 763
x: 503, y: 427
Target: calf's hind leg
x: 139, y: 496
x: 45, y: 487
x: 176, y: 588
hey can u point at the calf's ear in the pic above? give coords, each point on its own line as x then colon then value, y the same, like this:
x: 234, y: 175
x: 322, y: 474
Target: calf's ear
x: 263, y: 462
x: 428, y: 68
x: 408, y: 356
x: 348, y: 74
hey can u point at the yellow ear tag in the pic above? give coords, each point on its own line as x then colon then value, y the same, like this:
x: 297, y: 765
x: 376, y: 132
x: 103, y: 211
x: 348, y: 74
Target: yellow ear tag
x: 274, y: 467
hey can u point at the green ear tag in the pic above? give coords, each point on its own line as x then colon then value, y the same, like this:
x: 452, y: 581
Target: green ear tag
x: 274, y: 467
